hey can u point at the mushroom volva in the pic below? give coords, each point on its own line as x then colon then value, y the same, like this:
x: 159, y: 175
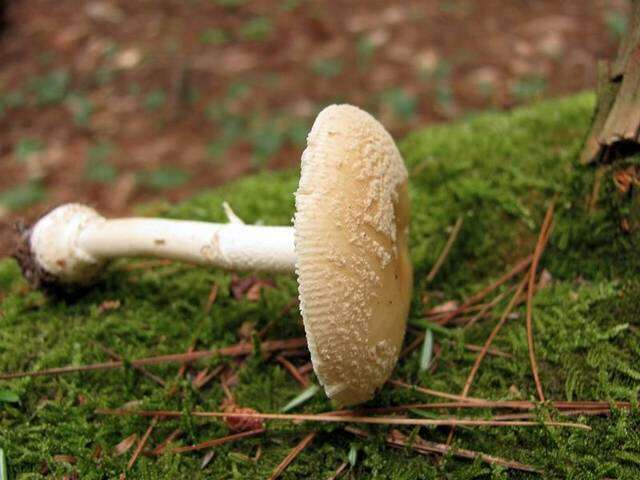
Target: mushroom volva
x: 348, y: 248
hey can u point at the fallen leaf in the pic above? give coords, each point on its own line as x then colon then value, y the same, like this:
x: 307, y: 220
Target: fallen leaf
x: 132, y: 405
x: 70, y: 459
x: 249, y: 287
x: 253, y: 294
x: 207, y: 458
x: 545, y: 279
x: 125, y: 445
x: 514, y: 392
x: 97, y: 453
x: 109, y: 305
x: 239, y: 286
x: 445, y: 307
x: 104, y: 12
x: 246, y: 330
x: 128, y: 58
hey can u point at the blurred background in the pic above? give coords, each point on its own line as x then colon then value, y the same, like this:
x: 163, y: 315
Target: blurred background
x: 117, y: 102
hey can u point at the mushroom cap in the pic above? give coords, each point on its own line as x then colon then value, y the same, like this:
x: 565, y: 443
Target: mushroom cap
x: 352, y: 259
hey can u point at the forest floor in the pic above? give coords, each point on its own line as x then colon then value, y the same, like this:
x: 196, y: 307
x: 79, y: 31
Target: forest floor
x: 498, y: 172
x: 111, y: 102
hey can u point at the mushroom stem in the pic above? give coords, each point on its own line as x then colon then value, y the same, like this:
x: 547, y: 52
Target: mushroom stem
x: 72, y: 242
x: 233, y: 246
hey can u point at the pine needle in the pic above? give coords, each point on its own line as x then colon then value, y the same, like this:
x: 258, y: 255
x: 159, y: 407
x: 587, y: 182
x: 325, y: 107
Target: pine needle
x: 399, y: 440
x: 140, y: 368
x: 293, y: 371
x: 540, y: 246
x: 237, y: 350
x: 142, y: 443
x: 295, y: 451
x: 446, y: 250
x: 520, y: 267
x: 219, y: 441
x: 476, y: 366
x: 331, y: 417
x: 343, y: 466
x: 434, y: 393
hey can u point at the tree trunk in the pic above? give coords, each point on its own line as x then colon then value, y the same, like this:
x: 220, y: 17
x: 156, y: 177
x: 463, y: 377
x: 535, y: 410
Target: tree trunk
x: 613, y: 143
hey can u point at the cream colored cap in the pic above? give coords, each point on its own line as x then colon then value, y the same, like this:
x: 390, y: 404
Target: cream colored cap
x: 353, y: 266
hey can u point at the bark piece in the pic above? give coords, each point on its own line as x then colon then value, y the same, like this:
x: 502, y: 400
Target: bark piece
x: 616, y: 124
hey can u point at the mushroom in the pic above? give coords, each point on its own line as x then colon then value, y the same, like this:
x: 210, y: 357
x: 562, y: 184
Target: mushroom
x: 348, y: 247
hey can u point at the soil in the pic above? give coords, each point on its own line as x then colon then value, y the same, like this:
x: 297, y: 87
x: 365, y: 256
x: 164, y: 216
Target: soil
x: 114, y: 103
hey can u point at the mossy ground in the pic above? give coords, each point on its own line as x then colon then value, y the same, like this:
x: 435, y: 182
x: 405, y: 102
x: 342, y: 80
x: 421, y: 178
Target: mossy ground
x: 498, y: 171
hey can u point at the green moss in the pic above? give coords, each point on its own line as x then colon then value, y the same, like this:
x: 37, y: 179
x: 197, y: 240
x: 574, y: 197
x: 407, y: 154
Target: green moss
x: 497, y: 171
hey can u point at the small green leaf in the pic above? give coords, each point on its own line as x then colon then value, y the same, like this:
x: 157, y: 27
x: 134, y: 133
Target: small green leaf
x: 14, y: 99
x: 328, y: 67
x: 238, y: 90
x: 425, y: 324
x: 289, y: 5
x: 51, y: 88
x: 266, y: 139
x: 82, y: 108
x: 257, y: 29
x: 298, y: 132
x: 164, y: 178
x: 426, y: 355
x: 617, y: 23
x: 213, y: 36
x: 7, y: 396
x: 22, y: 196
x: 100, y: 172
x: 230, y: 3
x: 97, y: 168
x: 305, y: 396
x: 27, y: 147
x: 154, y: 100
x: 366, y: 50
x: 4, y: 473
x: 402, y: 103
x: 353, y: 456
x: 529, y: 87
